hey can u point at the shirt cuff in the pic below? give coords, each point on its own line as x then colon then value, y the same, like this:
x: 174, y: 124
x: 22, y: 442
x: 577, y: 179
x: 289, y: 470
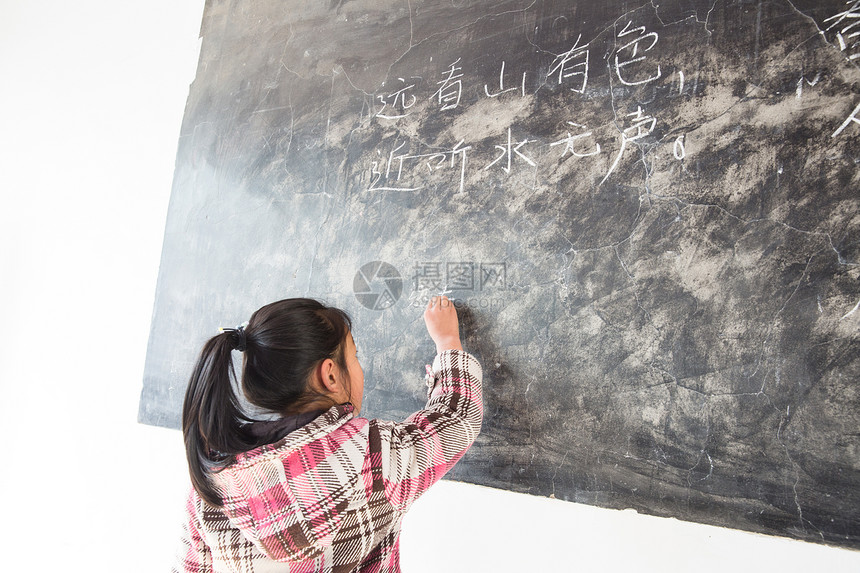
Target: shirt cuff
x: 444, y: 361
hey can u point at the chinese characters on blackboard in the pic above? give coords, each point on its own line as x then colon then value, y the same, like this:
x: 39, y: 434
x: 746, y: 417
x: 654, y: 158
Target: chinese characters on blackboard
x: 631, y: 64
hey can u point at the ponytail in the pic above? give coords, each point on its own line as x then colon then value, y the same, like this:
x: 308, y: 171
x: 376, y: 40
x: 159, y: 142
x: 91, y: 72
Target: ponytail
x: 282, y: 344
x: 212, y: 419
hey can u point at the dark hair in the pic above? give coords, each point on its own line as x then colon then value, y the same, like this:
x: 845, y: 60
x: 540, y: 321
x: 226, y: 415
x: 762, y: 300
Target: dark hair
x: 283, y: 343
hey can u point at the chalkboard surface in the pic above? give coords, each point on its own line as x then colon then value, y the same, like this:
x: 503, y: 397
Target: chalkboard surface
x: 648, y: 212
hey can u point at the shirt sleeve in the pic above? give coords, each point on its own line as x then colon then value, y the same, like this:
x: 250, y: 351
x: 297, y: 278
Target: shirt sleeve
x: 417, y: 452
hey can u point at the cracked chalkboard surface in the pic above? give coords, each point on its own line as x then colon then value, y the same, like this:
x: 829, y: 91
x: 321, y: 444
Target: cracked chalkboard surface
x: 649, y: 214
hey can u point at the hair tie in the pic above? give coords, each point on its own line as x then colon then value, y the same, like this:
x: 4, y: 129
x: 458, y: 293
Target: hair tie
x: 240, y: 341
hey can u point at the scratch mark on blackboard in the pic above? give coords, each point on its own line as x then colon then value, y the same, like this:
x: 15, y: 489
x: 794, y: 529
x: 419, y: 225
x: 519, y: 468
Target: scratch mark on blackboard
x: 852, y: 311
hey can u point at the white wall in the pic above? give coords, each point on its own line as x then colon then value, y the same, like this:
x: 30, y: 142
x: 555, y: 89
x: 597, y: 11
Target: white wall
x: 91, y: 99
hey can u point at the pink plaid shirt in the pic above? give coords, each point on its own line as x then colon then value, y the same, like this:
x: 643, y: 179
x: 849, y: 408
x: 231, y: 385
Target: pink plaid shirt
x: 330, y: 496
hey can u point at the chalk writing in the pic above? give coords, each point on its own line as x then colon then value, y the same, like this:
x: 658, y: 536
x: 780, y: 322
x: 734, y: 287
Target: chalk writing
x: 502, y: 89
x: 572, y: 64
x: 799, y: 91
x: 851, y: 118
x: 440, y: 160
x: 387, y: 174
x: 570, y: 139
x: 678, y: 149
x: 629, y: 54
x: 846, y: 22
x: 642, y: 126
x: 508, y: 151
x: 632, y: 62
x: 399, y: 100
x: 451, y: 87
x: 395, y: 160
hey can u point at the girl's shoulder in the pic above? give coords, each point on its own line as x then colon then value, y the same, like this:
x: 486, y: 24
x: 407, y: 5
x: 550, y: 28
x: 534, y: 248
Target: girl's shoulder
x: 331, y: 429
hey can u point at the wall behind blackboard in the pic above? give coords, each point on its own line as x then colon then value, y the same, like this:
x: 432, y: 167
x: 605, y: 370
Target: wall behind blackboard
x: 648, y: 213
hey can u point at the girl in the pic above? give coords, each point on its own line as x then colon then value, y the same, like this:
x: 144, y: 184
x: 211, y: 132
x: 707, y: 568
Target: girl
x: 318, y: 489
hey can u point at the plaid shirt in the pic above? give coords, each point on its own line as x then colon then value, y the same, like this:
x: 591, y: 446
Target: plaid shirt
x: 330, y: 496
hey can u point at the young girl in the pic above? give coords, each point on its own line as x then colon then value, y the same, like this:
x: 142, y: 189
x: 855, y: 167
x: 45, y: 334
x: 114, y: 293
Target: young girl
x: 318, y: 489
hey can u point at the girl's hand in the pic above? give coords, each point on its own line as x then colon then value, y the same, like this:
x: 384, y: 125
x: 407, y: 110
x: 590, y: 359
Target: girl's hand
x: 440, y: 316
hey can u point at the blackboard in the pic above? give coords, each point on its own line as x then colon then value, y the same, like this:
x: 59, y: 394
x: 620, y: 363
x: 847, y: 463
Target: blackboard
x: 648, y: 213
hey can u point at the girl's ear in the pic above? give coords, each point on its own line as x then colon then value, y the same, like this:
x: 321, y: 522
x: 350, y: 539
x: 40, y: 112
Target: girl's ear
x: 327, y: 376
